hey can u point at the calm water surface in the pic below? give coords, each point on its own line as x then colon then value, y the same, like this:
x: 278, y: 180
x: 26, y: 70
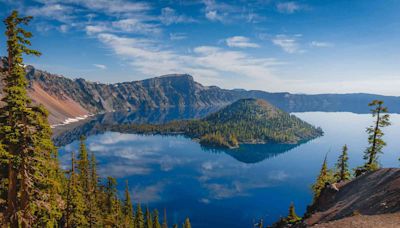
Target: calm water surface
x: 222, y: 188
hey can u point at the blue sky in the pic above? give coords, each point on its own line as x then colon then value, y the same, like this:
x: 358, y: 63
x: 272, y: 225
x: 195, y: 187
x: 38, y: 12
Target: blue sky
x: 314, y: 46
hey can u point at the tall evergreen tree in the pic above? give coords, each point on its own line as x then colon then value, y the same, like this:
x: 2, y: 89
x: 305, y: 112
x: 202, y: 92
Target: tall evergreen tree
x: 33, y: 175
x: 156, y: 220
x: 324, y: 177
x: 149, y: 222
x: 375, y: 141
x: 165, y: 223
x: 94, y: 214
x: 128, y: 208
x: 75, y: 208
x: 139, y: 219
x: 187, y: 223
x: 342, y: 167
x: 84, y: 166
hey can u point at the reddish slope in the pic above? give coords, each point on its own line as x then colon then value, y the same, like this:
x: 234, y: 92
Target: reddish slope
x: 375, y: 193
x: 60, y: 108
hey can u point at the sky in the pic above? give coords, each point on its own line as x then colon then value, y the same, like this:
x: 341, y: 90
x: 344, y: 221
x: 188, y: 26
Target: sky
x: 299, y: 46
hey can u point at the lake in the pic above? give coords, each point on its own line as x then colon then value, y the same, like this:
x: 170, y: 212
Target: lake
x: 230, y: 188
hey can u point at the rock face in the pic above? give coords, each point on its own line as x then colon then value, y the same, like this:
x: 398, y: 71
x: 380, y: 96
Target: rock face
x: 177, y: 90
x: 373, y: 194
x: 67, y: 98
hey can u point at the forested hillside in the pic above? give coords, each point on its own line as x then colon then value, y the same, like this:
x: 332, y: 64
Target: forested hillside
x: 244, y: 121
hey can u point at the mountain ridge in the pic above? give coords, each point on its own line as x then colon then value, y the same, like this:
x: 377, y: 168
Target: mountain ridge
x: 70, y: 98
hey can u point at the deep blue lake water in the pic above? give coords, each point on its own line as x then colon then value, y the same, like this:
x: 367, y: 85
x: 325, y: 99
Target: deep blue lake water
x: 220, y: 188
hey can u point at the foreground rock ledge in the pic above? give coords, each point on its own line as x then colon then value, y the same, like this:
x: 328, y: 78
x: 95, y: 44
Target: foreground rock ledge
x: 372, y: 200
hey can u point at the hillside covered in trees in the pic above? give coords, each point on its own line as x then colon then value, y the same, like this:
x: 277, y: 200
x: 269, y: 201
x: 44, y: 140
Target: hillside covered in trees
x: 246, y: 121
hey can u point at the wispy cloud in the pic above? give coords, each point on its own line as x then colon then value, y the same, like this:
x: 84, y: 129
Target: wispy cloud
x: 177, y: 36
x: 217, y: 11
x: 288, y: 43
x: 169, y: 16
x: 106, y: 6
x: 289, y: 7
x: 209, y: 60
x: 320, y: 44
x: 100, y: 66
x: 55, y: 11
x: 240, y: 42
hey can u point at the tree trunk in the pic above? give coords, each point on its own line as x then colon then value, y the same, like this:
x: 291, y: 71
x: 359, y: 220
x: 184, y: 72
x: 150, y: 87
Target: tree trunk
x: 26, y: 221
x: 12, y: 199
x: 373, y: 149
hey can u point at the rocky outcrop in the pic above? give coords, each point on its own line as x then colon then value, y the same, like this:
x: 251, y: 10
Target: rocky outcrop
x: 374, y: 196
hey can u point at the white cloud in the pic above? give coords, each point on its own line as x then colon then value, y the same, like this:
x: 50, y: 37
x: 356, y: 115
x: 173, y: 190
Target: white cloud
x: 206, y: 62
x: 288, y: 7
x: 130, y: 25
x: 288, y: 43
x: 320, y: 44
x: 92, y: 29
x: 213, y: 15
x: 136, y: 25
x: 106, y: 6
x: 57, y: 12
x: 240, y: 42
x: 177, y: 36
x: 169, y: 16
x: 100, y: 66
x: 218, y: 11
x: 63, y: 28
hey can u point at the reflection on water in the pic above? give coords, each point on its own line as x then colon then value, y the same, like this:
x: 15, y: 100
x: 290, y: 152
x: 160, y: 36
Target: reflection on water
x: 64, y: 135
x: 216, y: 190
x: 259, y: 152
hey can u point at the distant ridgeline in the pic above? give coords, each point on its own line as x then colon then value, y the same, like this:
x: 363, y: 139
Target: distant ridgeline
x: 246, y: 121
x: 70, y: 98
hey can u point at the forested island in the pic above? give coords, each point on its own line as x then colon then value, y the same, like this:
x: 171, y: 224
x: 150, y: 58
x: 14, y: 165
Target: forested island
x: 246, y: 121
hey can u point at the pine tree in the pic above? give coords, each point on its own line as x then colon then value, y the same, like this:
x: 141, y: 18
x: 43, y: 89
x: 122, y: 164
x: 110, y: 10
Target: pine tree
x: 156, y: 221
x: 342, y: 166
x: 149, y: 222
x: 324, y: 177
x: 33, y: 176
x: 110, y: 201
x: 139, y: 220
x: 84, y: 166
x: 165, y: 224
x: 94, y: 215
x: 128, y: 208
x: 75, y: 209
x: 292, y: 216
x: 187, y: 223
x: 375, y: 140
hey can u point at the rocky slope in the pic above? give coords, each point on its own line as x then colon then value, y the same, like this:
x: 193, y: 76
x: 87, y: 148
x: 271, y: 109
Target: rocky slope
x: 373, y: 198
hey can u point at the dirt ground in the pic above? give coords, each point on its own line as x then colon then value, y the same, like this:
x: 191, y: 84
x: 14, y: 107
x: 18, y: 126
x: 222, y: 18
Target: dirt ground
x: 365, y: 221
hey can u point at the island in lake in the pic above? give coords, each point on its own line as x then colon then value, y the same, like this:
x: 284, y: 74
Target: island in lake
x: 246, y: 121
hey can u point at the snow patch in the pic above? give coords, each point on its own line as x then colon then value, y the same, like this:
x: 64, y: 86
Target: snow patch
x: 72, y: 120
